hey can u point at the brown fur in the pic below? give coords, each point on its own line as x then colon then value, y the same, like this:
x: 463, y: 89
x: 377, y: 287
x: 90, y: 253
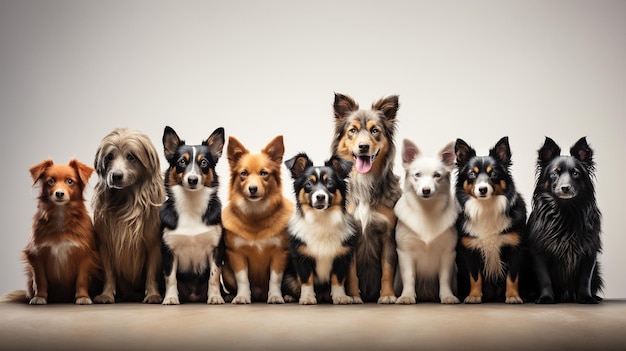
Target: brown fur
x: 255, y: 232
x: 372, y: 195
x: 126, y: 216
x: 61, y: 255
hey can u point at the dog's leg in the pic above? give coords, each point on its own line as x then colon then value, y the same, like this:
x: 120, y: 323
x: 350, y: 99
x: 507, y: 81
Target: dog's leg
x: 108, y: 291
x: 352, y: 282
x: 215, y: 297
x: 153, y: 267
x: 307, y: 291
x: 389, y: 259
x: 243, y: 287
x: 277, y: 267
x: 171, y: 284
x: 41, y: 286
x: 476, y: 280
x: 512, y: 278
x: 82, y: 284
x: 546, y: 293
x: 587, y: 267
x: 406, y: 265
x: 446, y: 272
x: 338, y: 291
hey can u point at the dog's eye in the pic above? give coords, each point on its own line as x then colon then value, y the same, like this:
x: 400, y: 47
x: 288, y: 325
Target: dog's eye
x: 70, y: 182
x: 51, y: 181
x: 353, y: 130
x: 130, y: 157
x: 108, y: 157
x: 471, y: 175
x: 493, y: 174
x: 437, y: 175
x: 182, y: 162
x: 264, y: 173
x: 308, y: 186
x: 553, y: 175
x: 243, y: 174
x: 375, y: 130
x: 417, y: 175
x: 575, y: 173
x: 204, y: 163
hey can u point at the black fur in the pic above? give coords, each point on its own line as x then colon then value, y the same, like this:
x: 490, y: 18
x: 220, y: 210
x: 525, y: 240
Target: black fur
x: 489, y: 172
x: 565, y: 225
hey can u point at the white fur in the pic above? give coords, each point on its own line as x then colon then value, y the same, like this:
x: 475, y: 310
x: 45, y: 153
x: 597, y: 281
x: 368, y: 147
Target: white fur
x: 60, y: 250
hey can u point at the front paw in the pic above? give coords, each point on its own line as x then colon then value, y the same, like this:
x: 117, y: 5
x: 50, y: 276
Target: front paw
x: 104, y: 298
x: 449, y: 300
x: 37, y: 300
x: 545, y: 299
x: 275, y: 299
x: 514, y: 300
x: 83, y: 301
x: 473, y: 299
x: 587, y: 299
x: 153, y: 298
x: 241, y: 300
x: 171, y: 300
x: 357, y: 300
x: 342, y: 300
x: 406, y: 300
x: 308, y: 300
x: 215, y: 300
x: 387, y: 299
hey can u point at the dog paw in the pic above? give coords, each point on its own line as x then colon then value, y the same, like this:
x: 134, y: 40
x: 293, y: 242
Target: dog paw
x: 406, y: 300
x: 587, y: 300
x: 289, y: 298
x: 449, y: 300
x: 342, y: 300
x: 171, y: 300
x: 154, y: 298
x: 514, y: 300
x: 545, y: 299
x: 104, y: 298
x: 308, y: 300
x: 241, y: 300
x: 473, y: 299
x: 38, y: 301
x: 215, y: 300
x: 387, y: 300
x: 83, y: 301
x: 275, y: 299
x: 357, y: 300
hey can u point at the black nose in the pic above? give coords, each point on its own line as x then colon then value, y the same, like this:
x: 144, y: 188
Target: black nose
x: 482, y: 190
x: 364, y: 148
x: 117, y: 176
x: 566, y: 189
x: 426, y: 191
x: 253, y: 189
x: 59, y: 194
x: 321, y: 197
x: 192, y: 180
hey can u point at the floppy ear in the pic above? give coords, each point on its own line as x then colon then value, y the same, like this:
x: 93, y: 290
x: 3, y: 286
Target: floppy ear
x: 388, y: 105
x: 344, y: 105
x: 275, y: 149
x: 38, y: 170
x: 298, y: 164
x: 548, y: 152
x: 463, y: 152
x: 342, y: 166
x: 581, y: 151
x: 215, y: 142
x: 171, y: 142
x: 502, y: 151
x: 447, y: 154
x: 409, y: 152
x: 234, y: 151
x: 84, y: 172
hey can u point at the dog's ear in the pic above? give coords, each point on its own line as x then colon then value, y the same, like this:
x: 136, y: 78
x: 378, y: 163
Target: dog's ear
x: 344, y: 105
x: 447, y: 155
x: 39, y: 169
x: 171, y: 142
x: 275, y: 149
x: 581, y: 151
x: 463, y: 152
x: 215, y: 142
x: 298, y: 164
x: 388, y: 105
x: 84, y: 172
x: 502, y: 151
x: 342, y: 166
x: 234, y: 151
x: 409, y: 152
x: 548, y: 152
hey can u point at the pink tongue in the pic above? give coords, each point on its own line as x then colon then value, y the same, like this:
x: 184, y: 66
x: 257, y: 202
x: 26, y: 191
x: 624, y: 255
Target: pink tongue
x: 363, y: 164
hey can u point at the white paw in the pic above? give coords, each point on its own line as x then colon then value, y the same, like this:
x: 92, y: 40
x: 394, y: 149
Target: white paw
x: 308, y: 300
x: 215, y: 300
x: 275, y: 299
x: 38, y: 301
x: 515, y: 300
x: 342, y: 300
x: 104, y: 298
x: 406, y: 300
x: 473, y: 299
x: 386, y: 300
x: 357, y: 300
x: 83, y: 301
x: 241, y: 300
x: 449, y: 300
x: 171, y: 300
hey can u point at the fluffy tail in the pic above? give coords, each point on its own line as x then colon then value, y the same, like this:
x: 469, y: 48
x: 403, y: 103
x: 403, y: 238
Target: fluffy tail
x: 16, y: 296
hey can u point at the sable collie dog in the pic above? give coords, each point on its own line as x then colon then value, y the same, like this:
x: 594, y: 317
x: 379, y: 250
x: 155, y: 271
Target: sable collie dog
x: 322, y: 235
x: 255, y: 224
x: 126, y: 205
x: 191, y: 222
x: 491, y: 225
x: 426, y: 234
x: 61, y: 255
x: 564, y: 225
x: 366, y: 137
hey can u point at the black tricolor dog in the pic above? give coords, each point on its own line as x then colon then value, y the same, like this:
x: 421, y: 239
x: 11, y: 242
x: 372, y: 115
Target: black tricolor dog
x: 565, y: 224
x: 191, y: 227
x: 322, y: 235
x: 491, y: 225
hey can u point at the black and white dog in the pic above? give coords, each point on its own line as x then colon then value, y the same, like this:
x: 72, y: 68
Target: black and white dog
x: 322, y: 235
x: 191, y: 227
x: 565, y: 224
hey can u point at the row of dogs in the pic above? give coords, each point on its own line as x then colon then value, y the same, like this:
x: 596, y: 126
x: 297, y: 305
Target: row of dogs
x: 354, y: 234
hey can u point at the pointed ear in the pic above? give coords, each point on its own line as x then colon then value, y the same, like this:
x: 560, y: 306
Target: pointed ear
x: 447, y: 155
x: 342, y: 166
x: 501, y: 151
x: 171, y: 142
x: 548, y: 152
x: 84, y: 172
x: 215, y: 142
x: 582, y: 151
x: 275, y: 149
x: 388, y: 105
x: 234, y: 151
x: 409, y: 152
x: 298, y: 164
x: 344, y: 105
x: 39, y: 169
x: 463, y: 152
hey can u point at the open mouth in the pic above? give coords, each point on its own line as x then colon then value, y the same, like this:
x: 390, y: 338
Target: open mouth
x: 363, y: 164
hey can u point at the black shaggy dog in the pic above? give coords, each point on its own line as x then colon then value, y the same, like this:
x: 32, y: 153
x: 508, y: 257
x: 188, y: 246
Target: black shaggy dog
x: 564, y: 225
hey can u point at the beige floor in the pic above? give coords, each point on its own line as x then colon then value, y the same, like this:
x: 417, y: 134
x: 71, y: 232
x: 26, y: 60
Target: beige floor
x: 293, y: 327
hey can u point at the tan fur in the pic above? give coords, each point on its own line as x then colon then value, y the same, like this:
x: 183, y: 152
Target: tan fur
x: 255, y: 232
x: 61, y: 255
x: 126, y: 218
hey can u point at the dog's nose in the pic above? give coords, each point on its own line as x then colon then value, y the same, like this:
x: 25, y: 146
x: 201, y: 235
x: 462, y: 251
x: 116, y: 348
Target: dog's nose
x: 566, y: 189
x: 426, y: 191
x: 364, y: 148
x: 59, y: 194
x: 321, y: 197
x: 253, y: 189
x: 192, y: 180
x: 117, y: 177
x: 482, y: 190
